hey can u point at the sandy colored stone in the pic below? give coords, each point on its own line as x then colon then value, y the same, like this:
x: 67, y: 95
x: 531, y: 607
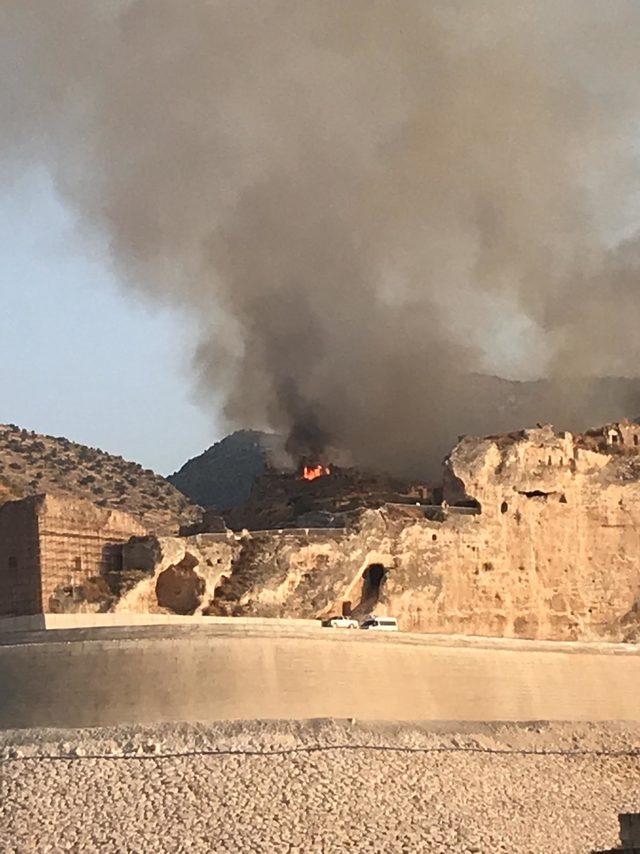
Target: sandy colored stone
x: 550, y: 548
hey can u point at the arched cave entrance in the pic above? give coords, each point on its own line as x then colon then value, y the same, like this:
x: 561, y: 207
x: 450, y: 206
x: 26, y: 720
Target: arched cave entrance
x: 372, y: 581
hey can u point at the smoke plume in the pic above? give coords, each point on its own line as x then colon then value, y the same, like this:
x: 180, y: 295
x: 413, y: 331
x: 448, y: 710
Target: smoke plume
x: 368, y: 206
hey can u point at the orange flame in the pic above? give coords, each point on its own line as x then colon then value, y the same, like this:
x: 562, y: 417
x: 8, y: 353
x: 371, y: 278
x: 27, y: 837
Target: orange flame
x: 311, y: 473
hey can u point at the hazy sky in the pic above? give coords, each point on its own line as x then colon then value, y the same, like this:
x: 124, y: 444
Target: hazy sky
x: 78, y: 357
x: 353, y: 208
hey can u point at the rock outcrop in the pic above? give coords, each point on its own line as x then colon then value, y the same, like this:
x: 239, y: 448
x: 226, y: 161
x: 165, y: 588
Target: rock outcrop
x: 538, y: 536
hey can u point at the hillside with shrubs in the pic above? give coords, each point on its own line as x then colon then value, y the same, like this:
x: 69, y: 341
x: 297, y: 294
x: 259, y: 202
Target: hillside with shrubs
x: 31, y: 463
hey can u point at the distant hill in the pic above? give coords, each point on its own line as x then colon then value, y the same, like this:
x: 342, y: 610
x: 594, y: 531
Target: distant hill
x: 222, y: 476
x: 31, y: 463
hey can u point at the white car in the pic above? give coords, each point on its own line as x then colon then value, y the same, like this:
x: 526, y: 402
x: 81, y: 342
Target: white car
x: 341, y: 623
x: 380, y: 624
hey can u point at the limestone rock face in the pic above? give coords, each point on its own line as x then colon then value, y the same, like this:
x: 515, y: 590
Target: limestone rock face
x: 181, y: 574
x: 538, y: 537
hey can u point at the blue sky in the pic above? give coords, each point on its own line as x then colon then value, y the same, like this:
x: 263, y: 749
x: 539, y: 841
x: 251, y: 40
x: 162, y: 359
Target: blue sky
x: 80, y: 358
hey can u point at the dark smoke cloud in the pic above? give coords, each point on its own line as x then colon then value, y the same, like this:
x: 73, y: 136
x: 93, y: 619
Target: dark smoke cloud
x: 366, y: 205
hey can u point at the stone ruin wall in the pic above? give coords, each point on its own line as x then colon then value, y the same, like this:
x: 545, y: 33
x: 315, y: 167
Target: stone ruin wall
x: 554, y: 553
x: 50, y: 546
x: 79, y: 541
x: 19, y: 558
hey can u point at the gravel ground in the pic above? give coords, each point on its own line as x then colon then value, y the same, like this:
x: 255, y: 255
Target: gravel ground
x: 318, y: 786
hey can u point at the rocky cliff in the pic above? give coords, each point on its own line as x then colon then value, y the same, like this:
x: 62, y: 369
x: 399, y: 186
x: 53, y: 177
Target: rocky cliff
x: 31, y: 463
x: 538, y: 537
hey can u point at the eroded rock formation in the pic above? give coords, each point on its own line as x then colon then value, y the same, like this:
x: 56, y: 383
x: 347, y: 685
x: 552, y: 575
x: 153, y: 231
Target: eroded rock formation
x: 538, y: 536
x: 179, y: 588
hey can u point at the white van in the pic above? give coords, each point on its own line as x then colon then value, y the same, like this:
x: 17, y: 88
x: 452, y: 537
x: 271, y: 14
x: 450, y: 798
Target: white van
x: 340, y: 623
x: 380, y: 624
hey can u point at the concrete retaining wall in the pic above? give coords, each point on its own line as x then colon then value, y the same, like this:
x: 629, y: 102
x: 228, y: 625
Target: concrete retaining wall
x: 36, y: 622
x: 91, y: 677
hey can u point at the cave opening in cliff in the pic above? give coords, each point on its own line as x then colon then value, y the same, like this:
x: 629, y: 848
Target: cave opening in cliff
x: 372, y: 580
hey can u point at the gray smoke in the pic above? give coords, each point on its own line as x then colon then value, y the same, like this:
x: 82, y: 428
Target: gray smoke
x: 366, y: 205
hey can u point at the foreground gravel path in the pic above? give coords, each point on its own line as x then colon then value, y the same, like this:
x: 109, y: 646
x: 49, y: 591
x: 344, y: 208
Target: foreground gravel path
x: 305, y: 787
